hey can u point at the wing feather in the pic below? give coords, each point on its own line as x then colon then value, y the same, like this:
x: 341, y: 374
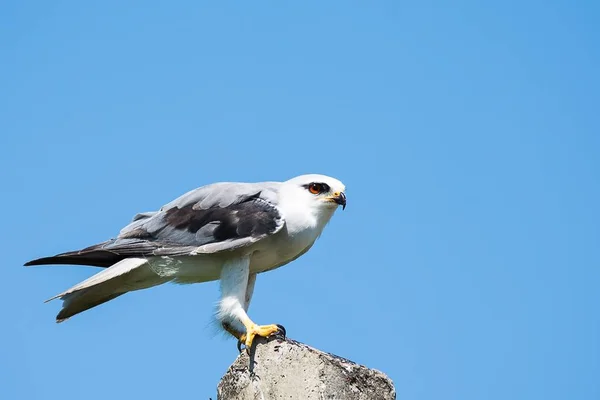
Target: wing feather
x: 211, y: 219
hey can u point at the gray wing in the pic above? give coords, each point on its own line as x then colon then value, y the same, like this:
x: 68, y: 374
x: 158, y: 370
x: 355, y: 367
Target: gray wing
x: 214, y: 218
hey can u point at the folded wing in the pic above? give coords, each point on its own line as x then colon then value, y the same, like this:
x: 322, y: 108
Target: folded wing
x: 210, y: 219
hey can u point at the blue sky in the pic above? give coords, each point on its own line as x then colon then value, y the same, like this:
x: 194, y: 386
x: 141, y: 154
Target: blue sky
x: 466, y: 264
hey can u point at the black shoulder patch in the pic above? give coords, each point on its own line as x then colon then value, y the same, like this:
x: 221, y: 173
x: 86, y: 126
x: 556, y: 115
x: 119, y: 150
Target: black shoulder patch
x: 187, y: 218
x: 253, y: 217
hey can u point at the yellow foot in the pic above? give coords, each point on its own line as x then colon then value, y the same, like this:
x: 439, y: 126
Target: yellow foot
x: 254, y: 330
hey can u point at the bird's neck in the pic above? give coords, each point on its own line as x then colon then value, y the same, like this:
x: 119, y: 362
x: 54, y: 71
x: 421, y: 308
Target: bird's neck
x: 303, y: 220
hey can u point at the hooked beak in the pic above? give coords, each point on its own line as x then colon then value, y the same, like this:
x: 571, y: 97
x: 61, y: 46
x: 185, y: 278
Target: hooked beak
x: 340, y: 198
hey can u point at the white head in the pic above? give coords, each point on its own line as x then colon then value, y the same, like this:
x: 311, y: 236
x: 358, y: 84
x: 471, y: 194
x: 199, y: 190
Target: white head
x: 316, y: 196
x: 320, y: 190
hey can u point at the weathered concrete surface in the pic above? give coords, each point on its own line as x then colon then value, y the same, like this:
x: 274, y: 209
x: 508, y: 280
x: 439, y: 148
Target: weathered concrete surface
x: 286, y: 369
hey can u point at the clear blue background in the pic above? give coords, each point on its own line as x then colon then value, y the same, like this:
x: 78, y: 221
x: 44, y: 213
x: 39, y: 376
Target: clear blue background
x: 466, y: 265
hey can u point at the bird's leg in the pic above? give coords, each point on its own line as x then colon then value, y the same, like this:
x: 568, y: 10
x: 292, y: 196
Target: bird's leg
x: 233, y: 332
x: 237, y: 285
x: 240, y: 336
x: 253, y: 330
x: 249, y: 291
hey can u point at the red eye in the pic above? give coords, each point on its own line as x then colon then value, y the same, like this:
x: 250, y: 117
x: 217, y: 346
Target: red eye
x: 315, y: 188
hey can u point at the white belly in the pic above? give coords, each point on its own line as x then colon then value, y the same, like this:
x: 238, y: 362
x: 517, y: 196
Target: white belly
x: 266, y: 255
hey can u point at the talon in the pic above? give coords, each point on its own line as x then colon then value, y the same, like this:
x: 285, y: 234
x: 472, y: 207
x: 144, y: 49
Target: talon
x: 239, y: 345
x: 281, y: 332
x: 262, y: 331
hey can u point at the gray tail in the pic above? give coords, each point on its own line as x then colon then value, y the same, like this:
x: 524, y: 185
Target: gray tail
x: 125, y: 276
x: 81, y: 301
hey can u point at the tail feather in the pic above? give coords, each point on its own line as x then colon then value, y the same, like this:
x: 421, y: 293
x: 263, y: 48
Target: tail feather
x: 75, y: 304
x: 125, y: 276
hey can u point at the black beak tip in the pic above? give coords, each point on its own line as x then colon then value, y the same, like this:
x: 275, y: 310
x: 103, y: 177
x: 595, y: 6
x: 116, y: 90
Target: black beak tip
x: 341, y: 200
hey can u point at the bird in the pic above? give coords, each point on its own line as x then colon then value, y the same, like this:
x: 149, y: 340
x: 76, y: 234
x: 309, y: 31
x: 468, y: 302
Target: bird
x: 226, y: 231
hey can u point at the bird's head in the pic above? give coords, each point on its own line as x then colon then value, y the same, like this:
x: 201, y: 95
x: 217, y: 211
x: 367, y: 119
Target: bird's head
x: 321, y: 193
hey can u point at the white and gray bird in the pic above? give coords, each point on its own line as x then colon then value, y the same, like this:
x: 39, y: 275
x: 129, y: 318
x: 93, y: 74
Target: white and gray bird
x: 228, y: 231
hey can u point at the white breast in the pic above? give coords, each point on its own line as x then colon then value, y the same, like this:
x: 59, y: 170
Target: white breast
x: 301, y: 230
